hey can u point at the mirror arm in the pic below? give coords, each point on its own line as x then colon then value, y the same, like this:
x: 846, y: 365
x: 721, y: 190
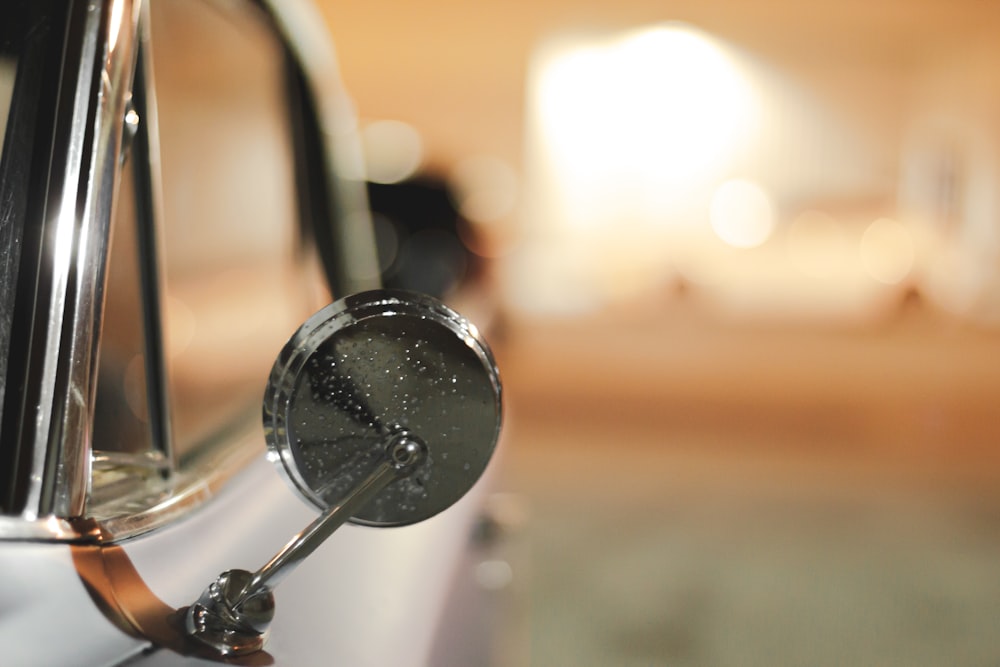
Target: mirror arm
x: 345, y: 401
x: 233, y: 613
x: 403, y: 454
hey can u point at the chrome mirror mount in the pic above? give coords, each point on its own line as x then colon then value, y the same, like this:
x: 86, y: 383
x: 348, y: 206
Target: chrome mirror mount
x: 383, y: 409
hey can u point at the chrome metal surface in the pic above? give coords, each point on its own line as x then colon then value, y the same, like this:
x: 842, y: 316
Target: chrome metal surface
x: 402, y: 455
x: 47, y: 529
x: 147, y: 180
x: 64, y: 324
x: 364, y: 367
x: 384, y: 408
x: 227, y: 621
x: 130, y: 129
x: 233, y: 613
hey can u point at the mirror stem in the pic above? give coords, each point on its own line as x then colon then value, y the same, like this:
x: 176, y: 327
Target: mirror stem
x: 234, y: 612
x: 302, y: 545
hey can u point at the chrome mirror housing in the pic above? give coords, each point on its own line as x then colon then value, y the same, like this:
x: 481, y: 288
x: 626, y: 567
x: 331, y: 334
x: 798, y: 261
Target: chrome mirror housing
x: 366, y: 369
x: 383, y: 409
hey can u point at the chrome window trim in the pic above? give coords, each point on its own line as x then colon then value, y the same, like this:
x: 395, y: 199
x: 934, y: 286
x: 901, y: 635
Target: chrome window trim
x: 68, y: 289
x: 145, y: 149
x: 83, y: 175
x: 119, y: 52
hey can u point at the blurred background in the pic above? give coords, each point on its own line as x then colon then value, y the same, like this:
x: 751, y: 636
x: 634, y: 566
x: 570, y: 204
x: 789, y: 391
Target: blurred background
x: 739, y: 262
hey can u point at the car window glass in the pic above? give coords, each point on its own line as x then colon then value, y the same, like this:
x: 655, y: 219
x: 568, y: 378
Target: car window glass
x: 233, y: 285
x: 123, y: 440
x: 121, y: 415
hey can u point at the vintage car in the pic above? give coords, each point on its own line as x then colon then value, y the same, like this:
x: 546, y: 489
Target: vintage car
x: 180, y: 190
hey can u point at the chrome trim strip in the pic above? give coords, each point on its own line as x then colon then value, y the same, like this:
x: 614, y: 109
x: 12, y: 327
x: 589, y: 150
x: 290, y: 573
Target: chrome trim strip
x: 42, y: 477
x: 149, y: 218
x: 66, y: 315
x: 65, y: 414
x: 49, y: 529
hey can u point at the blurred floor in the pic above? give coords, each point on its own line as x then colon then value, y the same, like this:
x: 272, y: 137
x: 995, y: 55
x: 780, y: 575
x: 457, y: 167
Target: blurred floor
x: 703, y: 492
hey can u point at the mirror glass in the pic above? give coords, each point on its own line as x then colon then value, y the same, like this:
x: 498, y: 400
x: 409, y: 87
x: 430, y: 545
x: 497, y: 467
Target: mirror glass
x: 362, y: 370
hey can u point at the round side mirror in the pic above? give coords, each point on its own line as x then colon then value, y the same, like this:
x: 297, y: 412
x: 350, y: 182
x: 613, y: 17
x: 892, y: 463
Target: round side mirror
x: 366, y: 369
x: 382, y: 409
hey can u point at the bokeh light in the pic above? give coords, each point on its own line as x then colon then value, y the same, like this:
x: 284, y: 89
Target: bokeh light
x: 393, y: 151
x: 486, y: 188
x: 628, y: 135
x: 742, y: 214
x: 651, y: 113
x: 887, y: 251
